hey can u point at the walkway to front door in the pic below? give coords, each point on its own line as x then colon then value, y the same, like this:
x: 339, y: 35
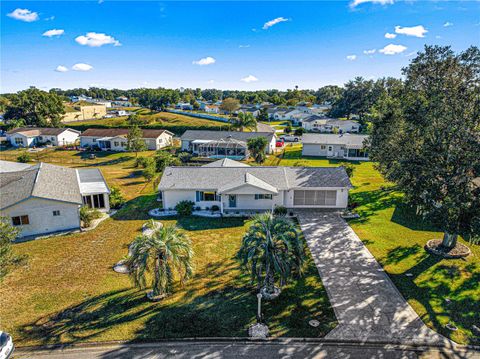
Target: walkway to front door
x: 367, y: 304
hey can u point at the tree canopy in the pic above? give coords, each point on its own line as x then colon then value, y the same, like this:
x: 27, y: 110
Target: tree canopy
x: 426, y: 136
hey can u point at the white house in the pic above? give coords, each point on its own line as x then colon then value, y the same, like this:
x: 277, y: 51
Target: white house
x: 237, y: 188
x: 247, y: 109
x: 329, y: 125
x: 344, y: 146
x: 34, y: 136
x: 115, y: 139
x: 212, y: 109
x: 43, y: 198
x: 219, y: 144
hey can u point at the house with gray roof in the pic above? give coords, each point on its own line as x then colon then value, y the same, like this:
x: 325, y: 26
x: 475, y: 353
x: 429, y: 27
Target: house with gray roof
x: 346, y: 146
x: 318, y: 123
x: 237, y: 188
x: 43, y: 198
x: 221, y: 144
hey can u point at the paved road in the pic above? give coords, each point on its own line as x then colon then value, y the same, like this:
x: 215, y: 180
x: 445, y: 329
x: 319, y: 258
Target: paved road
x: 367, y: 304
x: 232, y: 349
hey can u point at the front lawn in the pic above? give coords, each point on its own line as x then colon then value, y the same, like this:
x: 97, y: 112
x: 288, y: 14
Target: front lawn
x: 440, y: 290
x: 68, y: 292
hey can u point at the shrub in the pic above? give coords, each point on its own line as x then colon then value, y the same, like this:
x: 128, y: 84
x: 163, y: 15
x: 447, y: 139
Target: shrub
x: 280, y: 211
x: 88, y: 215
x: 184, y: 208
x: 24, y: 157
x: 116, y: 198
x: 299, y: 131
x: 143, y: 161
x: 215, y: 208
x: 164, y: 159
x: 349, y: 168
x: 184, y: 157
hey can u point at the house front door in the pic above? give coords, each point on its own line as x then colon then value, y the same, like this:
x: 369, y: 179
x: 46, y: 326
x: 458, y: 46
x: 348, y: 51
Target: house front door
x: 232, y: 201
x: 330, y: 151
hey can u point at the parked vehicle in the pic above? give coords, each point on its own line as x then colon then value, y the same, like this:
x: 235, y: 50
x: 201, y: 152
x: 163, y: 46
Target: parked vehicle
x: 6, y: 345
x: 290, y: 138
x: 280, y: 143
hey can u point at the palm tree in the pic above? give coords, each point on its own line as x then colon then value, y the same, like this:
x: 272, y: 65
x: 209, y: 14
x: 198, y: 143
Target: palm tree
x: 161, y: 253
x: 271, y: 250
x: 244, y: 120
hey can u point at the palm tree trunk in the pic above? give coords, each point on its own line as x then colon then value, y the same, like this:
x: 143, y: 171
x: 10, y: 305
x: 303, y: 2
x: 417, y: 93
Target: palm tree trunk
x: 449, y: 240
x: 156, y: 281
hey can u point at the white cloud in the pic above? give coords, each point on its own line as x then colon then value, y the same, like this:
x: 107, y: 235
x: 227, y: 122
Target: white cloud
x: 82, y: 67
x: 417, y: 31
x: 205, y: 61
x: 369, y: 52
x: 50, y: 18
x: 243, y: 46
x: 61, y: 68
x: 393, y: 49
x: 448, y: 24
x: 94, y: 39
x: 53, y: 32
x: 276, y: 21
x: 355, y: 3
x: 211, y: 81
x: 390, y: 36
x: 23, y: 15
x: 351, y: 57
x: 249, y: 78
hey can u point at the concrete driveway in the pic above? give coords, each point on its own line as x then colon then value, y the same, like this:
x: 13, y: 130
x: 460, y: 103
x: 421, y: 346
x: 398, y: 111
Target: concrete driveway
x: 367, y: 304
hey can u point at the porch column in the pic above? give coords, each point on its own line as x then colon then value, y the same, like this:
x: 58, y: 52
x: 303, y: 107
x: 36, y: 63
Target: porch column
x: 221, y: 203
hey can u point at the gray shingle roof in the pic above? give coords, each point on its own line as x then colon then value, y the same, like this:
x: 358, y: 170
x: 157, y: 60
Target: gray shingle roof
x: 37, y: 131
x: 226, y: 162
x: 42, y: 181
x: 282, y: 178
x: 113, y: 132
x: 8, y: 166
x: 334, y: 139
x: 191, y: 135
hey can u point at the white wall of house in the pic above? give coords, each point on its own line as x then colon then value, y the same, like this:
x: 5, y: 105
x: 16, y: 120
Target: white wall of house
x: 172, y: 197
x: 19, y: 140
x: 41, y: 218
x: 323, y: 150
x: 164, y: 140
x: 248, y: 201
x: 341, y: 198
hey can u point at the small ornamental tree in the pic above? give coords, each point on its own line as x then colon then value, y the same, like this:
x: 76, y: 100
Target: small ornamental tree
x: 256, y: 147
x: 8, y: 233
x: 135, y: 140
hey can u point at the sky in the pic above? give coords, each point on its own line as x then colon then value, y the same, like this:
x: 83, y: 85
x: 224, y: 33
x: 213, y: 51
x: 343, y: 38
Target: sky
x: 247, y: 45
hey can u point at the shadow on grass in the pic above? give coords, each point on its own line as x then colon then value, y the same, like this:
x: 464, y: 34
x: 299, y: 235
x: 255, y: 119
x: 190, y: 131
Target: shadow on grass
x: 218, y: 301
x: 449, y: 292
x: 370, y: 202
x: 405, y: 215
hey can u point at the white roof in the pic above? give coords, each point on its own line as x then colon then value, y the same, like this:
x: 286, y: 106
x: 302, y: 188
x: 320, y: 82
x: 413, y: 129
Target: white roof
x: 91, y: 181
x: 347, y: 139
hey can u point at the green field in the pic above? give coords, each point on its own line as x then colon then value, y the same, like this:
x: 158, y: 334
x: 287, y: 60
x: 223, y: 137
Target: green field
x: 158, y: 120
x: 68, y: 293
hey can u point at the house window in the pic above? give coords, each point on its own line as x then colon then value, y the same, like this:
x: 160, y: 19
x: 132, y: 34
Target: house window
x: 115, y: 144
x: 94, y: 140
x: 160, y: 140
x: 20, y: 220
x: 94, y: 201
x: 124, y: 144
x: 263, y: 196
x: 18, y: 141
x: 323, y: 147
x: 52, y: 138
x: 202, y: 196
x: 56, y: 213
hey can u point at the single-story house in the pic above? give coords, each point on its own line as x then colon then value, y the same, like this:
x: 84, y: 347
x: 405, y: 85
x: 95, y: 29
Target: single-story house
x: 330, y: 125
x: 247, y: 109
x: 115, y: 139
x: 212, y: 109
x: 345, y: 146
x: 43, y: 198
x: 238, y: 188
x: 34, y: 136
x: 219, y: 144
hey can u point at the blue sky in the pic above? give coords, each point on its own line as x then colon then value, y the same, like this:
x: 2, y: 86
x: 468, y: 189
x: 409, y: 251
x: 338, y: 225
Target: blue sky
x: 226, y: 45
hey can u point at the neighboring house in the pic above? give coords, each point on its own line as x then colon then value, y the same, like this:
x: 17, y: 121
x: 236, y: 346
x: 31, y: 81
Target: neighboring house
x: 34, y: 136
x: 236, y: 188
x: 280, y: 115
x: 43, y: 198
x: 219, y: 144
x: 82, y: 113
x: 345, y: 146
x: 184, y: 106
x: 298, y: 118
x: 211, y: 109
x: 262, y: 127
x: 253, y: 110
x: 329, y: 125
x: 115, y: 139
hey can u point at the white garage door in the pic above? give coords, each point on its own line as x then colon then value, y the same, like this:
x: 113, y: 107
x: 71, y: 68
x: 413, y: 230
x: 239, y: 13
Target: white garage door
x: 314, y: 198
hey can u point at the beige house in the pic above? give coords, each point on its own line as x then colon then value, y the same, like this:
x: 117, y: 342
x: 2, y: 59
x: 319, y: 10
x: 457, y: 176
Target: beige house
x: 85, y: 113
x: 43, y: 198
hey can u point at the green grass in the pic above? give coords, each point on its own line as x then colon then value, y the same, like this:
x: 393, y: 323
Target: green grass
x: 173, y: 122
x: 396, y: 237
x: 68, y: 293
